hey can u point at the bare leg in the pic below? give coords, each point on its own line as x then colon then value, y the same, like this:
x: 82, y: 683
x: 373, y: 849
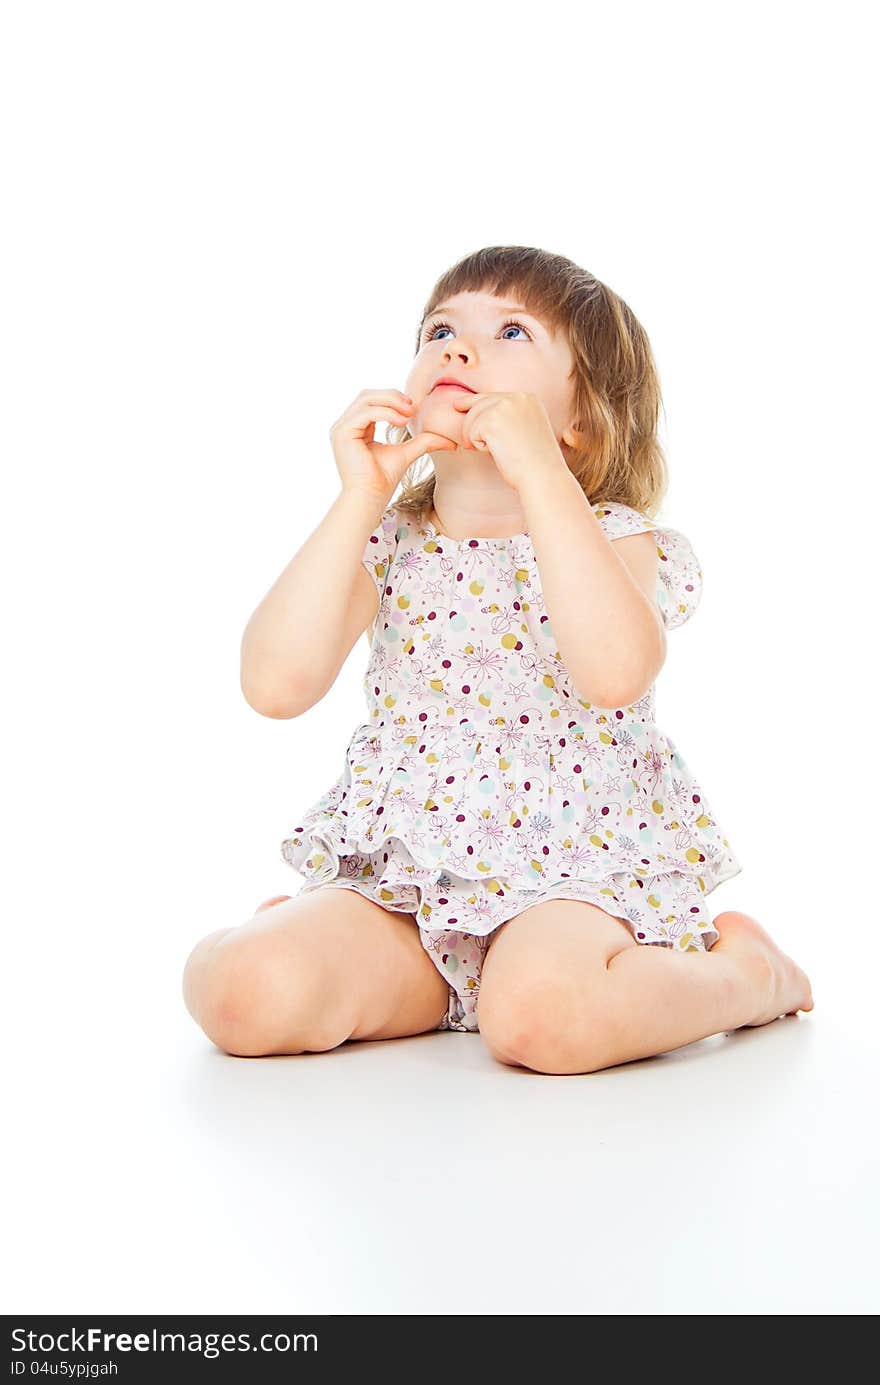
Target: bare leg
x: 310, y: 973
x: 568, y: 991
x: 660, y: 999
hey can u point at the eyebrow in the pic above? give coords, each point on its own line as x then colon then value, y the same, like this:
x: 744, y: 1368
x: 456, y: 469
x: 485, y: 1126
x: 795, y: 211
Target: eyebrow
x: 444, y: 308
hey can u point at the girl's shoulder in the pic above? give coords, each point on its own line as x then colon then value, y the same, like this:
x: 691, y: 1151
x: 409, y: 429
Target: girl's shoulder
x: 381, y: 546
x: 679, y: 572
x: 618, y: 519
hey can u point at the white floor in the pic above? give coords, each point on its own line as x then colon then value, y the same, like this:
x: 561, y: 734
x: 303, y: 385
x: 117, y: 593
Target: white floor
x: 737, y: 1175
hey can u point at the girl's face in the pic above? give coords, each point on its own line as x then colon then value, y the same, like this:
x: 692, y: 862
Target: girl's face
x: 491, y: 345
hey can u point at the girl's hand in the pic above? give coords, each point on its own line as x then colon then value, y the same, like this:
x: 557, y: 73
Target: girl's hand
x: 515, y: 428
x: 378, y: 466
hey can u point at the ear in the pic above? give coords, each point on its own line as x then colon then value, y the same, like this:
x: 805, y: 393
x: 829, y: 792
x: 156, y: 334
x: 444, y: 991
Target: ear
x: 574, y: 437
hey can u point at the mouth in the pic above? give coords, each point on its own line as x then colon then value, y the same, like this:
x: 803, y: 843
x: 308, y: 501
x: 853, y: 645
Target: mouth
x: 449, y: 385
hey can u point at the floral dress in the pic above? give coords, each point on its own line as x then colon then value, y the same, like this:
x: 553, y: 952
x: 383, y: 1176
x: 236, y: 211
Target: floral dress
x: 482, y: 783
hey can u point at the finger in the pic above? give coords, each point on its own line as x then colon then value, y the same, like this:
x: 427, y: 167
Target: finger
x: 375, y: 413
x: 438, y: 441
x: 469, y: 427
x: 396, y: 397
x: 413, y: 448
x: 370, y: 400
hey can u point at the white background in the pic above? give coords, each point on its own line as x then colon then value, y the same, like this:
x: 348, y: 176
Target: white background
x: 221, y: 221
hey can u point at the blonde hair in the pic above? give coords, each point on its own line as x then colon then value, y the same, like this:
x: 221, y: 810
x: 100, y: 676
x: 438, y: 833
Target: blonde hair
x: 617, y: 456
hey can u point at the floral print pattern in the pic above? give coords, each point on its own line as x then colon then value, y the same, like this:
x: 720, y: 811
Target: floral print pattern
x: 482, y: 783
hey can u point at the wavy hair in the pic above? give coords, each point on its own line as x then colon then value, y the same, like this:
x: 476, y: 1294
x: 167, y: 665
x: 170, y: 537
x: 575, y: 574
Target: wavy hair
x: 617, y: 401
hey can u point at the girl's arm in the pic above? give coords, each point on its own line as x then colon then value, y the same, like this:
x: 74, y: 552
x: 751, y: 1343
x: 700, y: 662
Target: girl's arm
x: 303, y: 630
x: 612, y: 640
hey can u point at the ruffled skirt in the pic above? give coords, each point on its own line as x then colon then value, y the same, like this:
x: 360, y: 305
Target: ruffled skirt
x: 457, y: 917
x: 463, y: 875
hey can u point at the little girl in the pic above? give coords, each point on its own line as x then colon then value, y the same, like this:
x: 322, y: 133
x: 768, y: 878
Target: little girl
x: 512, y: 847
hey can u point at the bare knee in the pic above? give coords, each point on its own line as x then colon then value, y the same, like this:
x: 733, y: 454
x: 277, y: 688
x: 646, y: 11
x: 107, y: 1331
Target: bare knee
x: 198, y: 973
x: 514, y: 1026
x: 540, y: 1027
x: 257, y: 994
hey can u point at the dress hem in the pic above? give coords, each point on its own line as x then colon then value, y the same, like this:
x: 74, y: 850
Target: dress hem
x: 558, y: 887
x: 318, y: 837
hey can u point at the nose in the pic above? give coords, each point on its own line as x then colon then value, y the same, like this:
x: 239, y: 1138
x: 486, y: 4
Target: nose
x: 457, y: 352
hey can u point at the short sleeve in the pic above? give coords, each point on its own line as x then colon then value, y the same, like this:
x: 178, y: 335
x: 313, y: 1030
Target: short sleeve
x: 679, y: 575
x: 380, y: 548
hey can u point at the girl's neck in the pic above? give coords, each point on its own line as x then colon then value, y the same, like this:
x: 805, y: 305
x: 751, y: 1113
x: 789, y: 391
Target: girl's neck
x: 479, y: 525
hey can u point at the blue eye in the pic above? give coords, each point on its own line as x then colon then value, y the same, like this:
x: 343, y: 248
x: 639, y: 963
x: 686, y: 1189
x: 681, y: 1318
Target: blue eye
x: 440, y: 326
x: 437, y: 327
x: 514, y: 323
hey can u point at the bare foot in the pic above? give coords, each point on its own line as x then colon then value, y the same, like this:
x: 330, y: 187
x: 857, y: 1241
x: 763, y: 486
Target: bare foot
x: 788, y: 986
x: 277, y: 899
